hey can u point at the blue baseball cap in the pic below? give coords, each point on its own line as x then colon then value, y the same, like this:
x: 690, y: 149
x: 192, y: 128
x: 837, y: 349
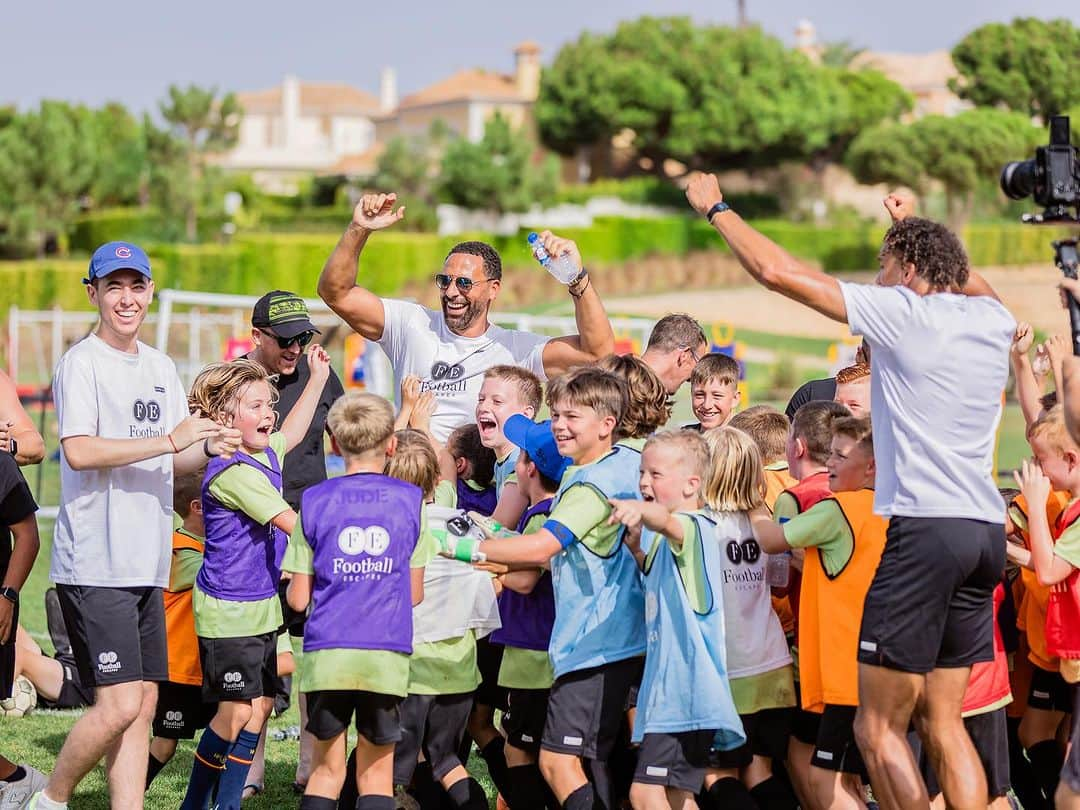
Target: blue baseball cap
x: 535, y: 439
x: 113, y: 256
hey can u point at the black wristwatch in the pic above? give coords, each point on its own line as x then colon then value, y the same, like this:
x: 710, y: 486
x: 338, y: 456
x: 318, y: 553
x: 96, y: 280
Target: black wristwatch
x: 719, y: 208
x: 10, y: 594
x: 14, y: 449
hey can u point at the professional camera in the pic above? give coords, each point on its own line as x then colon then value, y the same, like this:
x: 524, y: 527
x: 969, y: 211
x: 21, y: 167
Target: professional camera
x: 1052, y: 178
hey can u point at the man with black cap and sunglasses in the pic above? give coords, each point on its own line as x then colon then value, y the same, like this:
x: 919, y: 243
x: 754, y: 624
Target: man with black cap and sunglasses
x: 450, y: 349
x: 281, y: 329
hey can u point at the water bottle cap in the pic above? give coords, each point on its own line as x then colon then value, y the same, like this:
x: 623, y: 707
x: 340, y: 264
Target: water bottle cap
x: 534, y: 237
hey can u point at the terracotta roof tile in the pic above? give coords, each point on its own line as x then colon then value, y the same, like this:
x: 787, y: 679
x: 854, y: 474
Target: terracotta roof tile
x: 466, y: 85
x: 316, y: 98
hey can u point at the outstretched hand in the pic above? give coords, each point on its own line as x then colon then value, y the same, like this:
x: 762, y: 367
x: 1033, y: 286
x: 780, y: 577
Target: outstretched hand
x: 1022, y: 339
x: 376, y: 211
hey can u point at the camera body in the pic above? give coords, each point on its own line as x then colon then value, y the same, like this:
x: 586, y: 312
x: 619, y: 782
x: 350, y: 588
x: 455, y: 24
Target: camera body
x: 1052, y: 179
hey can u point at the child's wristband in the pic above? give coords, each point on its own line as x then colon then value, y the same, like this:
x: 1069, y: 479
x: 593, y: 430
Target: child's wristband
x: 171, y: 442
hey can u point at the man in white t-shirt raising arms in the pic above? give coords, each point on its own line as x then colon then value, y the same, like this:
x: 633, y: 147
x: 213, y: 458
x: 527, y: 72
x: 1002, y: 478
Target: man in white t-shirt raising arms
x: 940, y: 341
x: 124, y: 430
x: 449, y: 350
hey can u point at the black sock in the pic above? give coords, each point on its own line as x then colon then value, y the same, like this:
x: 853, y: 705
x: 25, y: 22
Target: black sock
x: 153, y: 768
x: 1046, y: 761
x: 1020, y: 772
x: 371, y: 802
x: 599, y: 774
x: 317, y: 803
x: 16, y: 775
x: 494, y: 754
x: 728, y: 794
x: 349, y: 793
x: 428, y: 792
x: 774, y: 794
x: 466, y: 794
x: 580, y: 799
x: 525, y: 788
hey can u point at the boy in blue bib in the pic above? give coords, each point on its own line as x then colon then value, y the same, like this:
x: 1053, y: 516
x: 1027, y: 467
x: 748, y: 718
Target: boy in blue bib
x: 598, y: 637
x: 684, y: 705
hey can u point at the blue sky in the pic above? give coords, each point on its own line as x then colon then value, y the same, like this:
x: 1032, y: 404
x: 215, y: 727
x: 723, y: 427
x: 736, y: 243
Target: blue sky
x: 131, y: 51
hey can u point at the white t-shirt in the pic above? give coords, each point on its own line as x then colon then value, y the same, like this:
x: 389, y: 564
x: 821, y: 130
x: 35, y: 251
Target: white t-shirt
x: 754, y: 638
x: 938, y: 372
x: 417, y: 341
x: 115, y: 525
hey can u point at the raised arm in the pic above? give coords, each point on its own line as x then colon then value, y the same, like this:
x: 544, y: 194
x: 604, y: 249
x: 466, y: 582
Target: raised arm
x: 295, y: 425
x: 1028, y: 389
x: 595, y: 338
x: 357, y: 306
x: 768, y: 263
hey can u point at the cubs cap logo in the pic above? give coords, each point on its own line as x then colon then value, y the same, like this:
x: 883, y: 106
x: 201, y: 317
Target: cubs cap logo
x: 123, y: 252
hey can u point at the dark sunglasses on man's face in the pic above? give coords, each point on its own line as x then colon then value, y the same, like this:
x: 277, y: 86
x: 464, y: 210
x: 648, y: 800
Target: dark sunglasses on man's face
x: 302, y: 340
x: 444, y: 280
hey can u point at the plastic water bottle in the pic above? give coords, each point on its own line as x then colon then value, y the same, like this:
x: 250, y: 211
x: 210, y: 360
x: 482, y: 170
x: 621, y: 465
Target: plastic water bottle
x: 778, y: 569
x: 562, y: 267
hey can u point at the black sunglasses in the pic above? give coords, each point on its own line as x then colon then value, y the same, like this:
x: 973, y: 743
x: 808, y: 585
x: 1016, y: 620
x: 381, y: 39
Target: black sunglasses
x: 443, y: 281
x: 303, y: 339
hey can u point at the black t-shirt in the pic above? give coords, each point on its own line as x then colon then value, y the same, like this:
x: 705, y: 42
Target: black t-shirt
x: 16, y: 504
x: 305, y: 464
x: 812, y: 391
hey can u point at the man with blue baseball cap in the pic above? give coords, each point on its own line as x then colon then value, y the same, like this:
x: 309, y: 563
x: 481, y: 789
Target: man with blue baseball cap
x: 527, y: 608
x: 124, y: 431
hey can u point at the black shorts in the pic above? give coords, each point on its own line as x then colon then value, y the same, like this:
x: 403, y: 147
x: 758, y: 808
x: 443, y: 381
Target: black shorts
x: 835, y: 748
x: 676, y: 760
x: 240, y: 668
x: 990, y: 735
x: 7, y: 658
x: 74, y: 694
x: 586, y: 708
x: 434, y: 725
x: 931, y: 602
x: 293, y: 621
x: 523, y: 721
x: 1049, y: 691
x: 805, y: 726
x: 767, y: 734
x: 378, y: 716
x: 117, y: 634
x: 1070, y: 774
x: 488, y: 660
x: 181, y: 711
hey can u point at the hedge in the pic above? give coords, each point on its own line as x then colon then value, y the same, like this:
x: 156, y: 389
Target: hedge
x: 256, y: 262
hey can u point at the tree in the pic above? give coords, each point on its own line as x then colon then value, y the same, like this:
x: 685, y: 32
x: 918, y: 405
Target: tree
x: 497, y: 173
x: 960, y: 152
x: 121, y: 170
x: 839, y: 54
x: 709, y: 97
x: 206, y: 124
x: 47, y: 165
x: 1029, y: 65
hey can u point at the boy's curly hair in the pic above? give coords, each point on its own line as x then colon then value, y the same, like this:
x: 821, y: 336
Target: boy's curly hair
x: 935, y: 251
x: 218, y: 387
x: 647, y: 407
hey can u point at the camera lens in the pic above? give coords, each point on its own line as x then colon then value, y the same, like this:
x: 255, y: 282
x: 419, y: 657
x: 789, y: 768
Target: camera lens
x: 1018, y: 179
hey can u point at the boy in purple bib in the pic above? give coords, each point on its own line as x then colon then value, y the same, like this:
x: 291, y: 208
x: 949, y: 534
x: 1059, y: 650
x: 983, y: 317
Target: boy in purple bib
x: 357, y: 555
x: 237, y: 610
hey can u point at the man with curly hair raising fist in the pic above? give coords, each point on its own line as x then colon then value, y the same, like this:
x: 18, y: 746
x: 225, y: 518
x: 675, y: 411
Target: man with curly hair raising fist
x: 940, y: 342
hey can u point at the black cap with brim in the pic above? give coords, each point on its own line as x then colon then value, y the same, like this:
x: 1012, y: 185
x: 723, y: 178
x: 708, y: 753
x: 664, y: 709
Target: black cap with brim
x: 284, y: 312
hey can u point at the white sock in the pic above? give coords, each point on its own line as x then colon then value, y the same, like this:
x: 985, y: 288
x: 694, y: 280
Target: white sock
x: 43, y: 802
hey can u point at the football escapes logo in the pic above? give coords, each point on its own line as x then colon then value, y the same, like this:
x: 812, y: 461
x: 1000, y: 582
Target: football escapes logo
x: 371, y: 541
x: 108, y: 662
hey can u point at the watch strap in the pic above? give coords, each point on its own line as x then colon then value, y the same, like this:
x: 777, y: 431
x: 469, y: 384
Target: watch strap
x: 10, y: 594
x: 719, y: 208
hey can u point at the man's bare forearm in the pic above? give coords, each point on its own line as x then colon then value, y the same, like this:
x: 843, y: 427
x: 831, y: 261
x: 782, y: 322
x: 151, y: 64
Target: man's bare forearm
x: 593, y: 325
x: 339, y: 273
